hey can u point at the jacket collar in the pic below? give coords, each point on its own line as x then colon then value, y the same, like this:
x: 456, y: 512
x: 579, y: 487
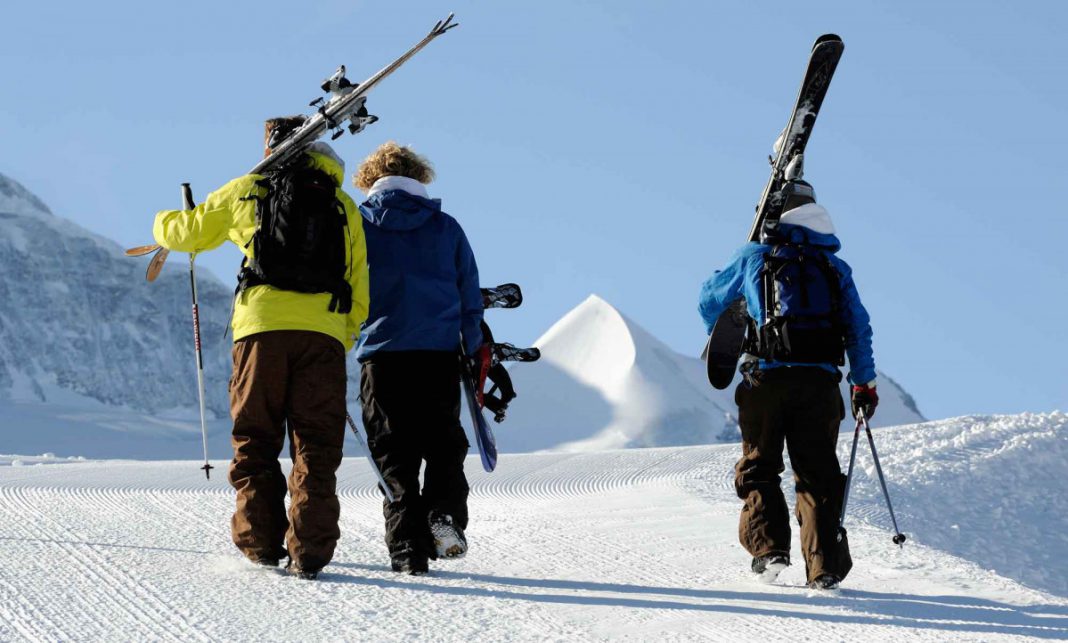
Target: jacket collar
x: 403, y: 183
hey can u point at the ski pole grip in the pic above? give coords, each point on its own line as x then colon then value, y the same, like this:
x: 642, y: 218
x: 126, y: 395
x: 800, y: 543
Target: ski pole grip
x: 187, y: 197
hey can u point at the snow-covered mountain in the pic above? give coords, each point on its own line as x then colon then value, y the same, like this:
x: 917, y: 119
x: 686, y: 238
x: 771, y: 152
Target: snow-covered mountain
x: 82, y: 327
x: 605, y: 382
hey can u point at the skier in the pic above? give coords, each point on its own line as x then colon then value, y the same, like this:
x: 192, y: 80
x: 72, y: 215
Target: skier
x: 296, y: 312
x: 790, y: 389
x: 425, y: 298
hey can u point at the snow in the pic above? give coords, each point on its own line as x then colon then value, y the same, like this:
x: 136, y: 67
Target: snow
x: 635, y: 544
x: 605, y: 382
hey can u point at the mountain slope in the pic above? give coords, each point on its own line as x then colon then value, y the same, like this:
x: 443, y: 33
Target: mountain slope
x: 82, y: 323
x: 605, y: 382
x: 637, y: 544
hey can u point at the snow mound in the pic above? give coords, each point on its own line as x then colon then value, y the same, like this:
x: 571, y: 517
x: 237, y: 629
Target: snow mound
x: 605, y: 382
x: 991, y: 489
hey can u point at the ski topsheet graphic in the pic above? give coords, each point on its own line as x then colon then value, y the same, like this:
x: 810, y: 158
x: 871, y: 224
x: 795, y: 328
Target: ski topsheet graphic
x: 724, y: 346
x: 347, y: 102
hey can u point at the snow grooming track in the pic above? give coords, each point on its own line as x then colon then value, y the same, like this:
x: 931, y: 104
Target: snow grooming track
x: 629, y: 544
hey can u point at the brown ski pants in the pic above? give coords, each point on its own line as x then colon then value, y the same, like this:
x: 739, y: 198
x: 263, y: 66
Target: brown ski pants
x: 291, y: 382
x: 802, y: 407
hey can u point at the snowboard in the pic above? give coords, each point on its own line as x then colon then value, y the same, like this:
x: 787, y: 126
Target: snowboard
x: 484, y: 439
x: 724, y: 346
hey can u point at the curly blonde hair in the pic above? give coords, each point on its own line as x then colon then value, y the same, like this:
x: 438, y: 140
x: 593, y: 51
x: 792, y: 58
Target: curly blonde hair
x: 392, y: 159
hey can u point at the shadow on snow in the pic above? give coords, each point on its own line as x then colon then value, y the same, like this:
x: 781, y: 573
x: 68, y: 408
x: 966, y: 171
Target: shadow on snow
x: 950, y: 613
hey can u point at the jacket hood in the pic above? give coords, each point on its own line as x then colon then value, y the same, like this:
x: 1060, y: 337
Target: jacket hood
x: 808, y: 224
x: 323, y: 157
x: 398, y: 210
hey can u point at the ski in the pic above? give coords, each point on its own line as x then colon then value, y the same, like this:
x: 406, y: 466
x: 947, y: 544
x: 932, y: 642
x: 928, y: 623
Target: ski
x: 724, y: 347
x: 487, y: 444
x: 503, y: 296
x: 347, y: 102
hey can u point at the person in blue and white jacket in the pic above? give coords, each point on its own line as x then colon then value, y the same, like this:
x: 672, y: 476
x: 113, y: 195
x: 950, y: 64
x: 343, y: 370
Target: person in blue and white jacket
x: 424, y: 299
x: 796, y: 402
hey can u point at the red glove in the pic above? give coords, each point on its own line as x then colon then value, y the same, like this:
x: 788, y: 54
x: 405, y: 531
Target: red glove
x: 481, y: 362
x: 865, y: 399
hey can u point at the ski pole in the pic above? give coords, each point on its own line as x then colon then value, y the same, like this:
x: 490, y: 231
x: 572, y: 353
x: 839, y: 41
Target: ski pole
x: 849, y: 479
x: 187, y: 204
x: 899, y: 538
x: 367, y: 452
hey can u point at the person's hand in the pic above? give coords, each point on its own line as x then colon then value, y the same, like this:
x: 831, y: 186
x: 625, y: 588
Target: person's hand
x: 865, y: 399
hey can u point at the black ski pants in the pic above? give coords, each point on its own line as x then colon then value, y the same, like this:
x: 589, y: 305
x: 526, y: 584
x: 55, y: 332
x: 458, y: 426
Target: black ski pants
x: 802, y: 407
x: 411, y: 412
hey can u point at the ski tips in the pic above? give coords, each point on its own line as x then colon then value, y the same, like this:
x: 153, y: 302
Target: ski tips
x: 444, y: 25
x: 829, y: 41
x: 141, y: 251
x: 156, y: 265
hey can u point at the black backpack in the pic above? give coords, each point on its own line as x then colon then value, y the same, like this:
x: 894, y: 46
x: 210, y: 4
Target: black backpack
x: 300, y: 238
x: 803, y: 317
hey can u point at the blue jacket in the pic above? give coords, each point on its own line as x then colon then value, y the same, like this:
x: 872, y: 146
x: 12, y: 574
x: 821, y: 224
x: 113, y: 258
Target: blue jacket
x: 741, y: 277
x: 423, y: 278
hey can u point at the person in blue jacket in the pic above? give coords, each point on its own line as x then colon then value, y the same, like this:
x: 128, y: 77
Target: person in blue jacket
x: 424, y: 300
x: 790, y: 390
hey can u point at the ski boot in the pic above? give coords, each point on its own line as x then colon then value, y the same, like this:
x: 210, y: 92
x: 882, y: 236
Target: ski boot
x: 449, y: 540
x: 410, y: 563
x: 769, y: 567
x: 304, y: 574
x: 825, y: 581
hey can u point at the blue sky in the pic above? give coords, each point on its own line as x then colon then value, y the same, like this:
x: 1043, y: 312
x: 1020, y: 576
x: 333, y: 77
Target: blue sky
x: 613, y: 147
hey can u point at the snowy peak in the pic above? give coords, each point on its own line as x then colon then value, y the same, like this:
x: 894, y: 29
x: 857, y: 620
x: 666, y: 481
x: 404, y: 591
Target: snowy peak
x: 605, y: 382
x: 593, y: 342
x: 87, y: 328
x: 16, y: 199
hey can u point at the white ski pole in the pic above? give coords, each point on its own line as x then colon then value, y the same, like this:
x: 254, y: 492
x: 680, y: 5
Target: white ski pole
x: 187, y: 204
x: 367, y: 452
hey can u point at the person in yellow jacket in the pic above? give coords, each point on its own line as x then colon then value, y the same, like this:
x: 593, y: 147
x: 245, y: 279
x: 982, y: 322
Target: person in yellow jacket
x: 289, y: 373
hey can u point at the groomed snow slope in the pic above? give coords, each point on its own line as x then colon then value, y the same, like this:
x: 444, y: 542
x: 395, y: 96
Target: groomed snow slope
x: 635, y: 544
x: 604, y: 382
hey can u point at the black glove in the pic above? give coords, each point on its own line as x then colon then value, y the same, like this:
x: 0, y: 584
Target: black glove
x: 865, y: 399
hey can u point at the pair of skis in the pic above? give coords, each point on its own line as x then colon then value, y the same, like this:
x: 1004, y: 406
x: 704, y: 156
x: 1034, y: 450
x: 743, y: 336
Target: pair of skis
x: 503, y: 296
x: 346, y: 102
x: 724, y: 347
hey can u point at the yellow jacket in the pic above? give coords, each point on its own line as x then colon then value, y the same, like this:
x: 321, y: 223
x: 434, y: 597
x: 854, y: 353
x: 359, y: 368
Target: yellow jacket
x: 224, y: 215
